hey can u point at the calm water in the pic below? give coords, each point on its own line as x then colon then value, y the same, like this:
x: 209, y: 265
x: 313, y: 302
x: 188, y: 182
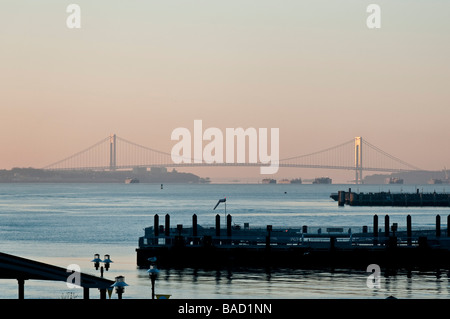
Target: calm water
x: 65, y: 224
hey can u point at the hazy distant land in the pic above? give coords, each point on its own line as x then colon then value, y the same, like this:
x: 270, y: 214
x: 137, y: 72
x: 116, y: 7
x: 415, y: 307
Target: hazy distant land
x: 155, y: 175
x: 415, y: 177
x: 162, y: 175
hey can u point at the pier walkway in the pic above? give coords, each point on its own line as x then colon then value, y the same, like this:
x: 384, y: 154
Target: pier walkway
x: 14, y: 267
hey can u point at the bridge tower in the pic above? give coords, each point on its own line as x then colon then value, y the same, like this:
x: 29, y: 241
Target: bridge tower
x: 112, y: 152
x: 358, y: 160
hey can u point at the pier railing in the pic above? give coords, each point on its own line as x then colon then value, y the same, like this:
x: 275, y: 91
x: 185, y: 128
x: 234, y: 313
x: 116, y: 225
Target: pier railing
x: 292, y: 238
x: 236, y: 236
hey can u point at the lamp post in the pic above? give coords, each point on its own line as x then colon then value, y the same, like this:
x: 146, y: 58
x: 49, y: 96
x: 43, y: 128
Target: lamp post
x: 120, y: 285
x: 153, y: 273
x: 96, y: 261
x: 106, y: 260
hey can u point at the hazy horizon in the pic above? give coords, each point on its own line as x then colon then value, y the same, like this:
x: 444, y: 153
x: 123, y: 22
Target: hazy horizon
x: 313, y: 69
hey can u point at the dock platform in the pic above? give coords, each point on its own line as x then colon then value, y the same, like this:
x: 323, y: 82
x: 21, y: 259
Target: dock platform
x: 303, y: 247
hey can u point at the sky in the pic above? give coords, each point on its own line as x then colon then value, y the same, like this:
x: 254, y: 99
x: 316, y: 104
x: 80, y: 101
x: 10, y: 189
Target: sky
x: 141, y: 69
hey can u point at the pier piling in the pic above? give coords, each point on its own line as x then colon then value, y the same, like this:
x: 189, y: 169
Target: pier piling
x: 386, y: 226
x: 85, y: 293
x: 194, y: 225
x: 194, y: 229
x: 217, y: 225
x: 408, y: 230
x: 438, y: 225
x: 167, y: 230
x: 375, y: 229
x: 269, y: 229
x: 156, y: 225
x: 229, y: 225
x: 21, y: 290
x: 341, y: 198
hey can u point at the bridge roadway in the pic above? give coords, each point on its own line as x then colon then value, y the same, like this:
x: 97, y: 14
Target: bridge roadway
x: 166, y: 165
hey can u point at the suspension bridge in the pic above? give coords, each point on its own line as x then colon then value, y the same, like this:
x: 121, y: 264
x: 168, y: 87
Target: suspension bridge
x: 115, y: 153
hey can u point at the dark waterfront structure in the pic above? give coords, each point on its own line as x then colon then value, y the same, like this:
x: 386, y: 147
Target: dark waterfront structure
x: 391, y: 199
x: 305, y: 247
x: 22, y: 269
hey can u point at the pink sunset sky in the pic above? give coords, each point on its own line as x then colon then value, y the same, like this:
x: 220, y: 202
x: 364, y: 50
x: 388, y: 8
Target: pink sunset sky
x: 140, y: 69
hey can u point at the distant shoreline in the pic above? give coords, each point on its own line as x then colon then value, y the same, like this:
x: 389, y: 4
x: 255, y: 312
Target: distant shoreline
x: 33, y: 175
x: 157, y: 175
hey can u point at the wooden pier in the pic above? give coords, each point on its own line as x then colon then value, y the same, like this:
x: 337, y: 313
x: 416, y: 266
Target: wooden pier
x: 22, y: 269
x: 303, y: 247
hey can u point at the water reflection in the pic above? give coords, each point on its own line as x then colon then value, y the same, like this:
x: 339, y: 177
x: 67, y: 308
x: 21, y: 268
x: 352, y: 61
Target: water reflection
x: 299, y: 283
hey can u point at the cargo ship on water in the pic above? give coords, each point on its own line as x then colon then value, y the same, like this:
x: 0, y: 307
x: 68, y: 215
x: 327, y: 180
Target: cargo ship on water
x: 394, y: 180
x: 322, y: 180
x: 417, y: 199
x: 269, y: 181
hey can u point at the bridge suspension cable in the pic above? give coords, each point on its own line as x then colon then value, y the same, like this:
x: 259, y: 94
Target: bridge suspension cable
x: 336, y: 156
x: 387, y: 155
x: 114, y: 152
x: 85, y: 159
